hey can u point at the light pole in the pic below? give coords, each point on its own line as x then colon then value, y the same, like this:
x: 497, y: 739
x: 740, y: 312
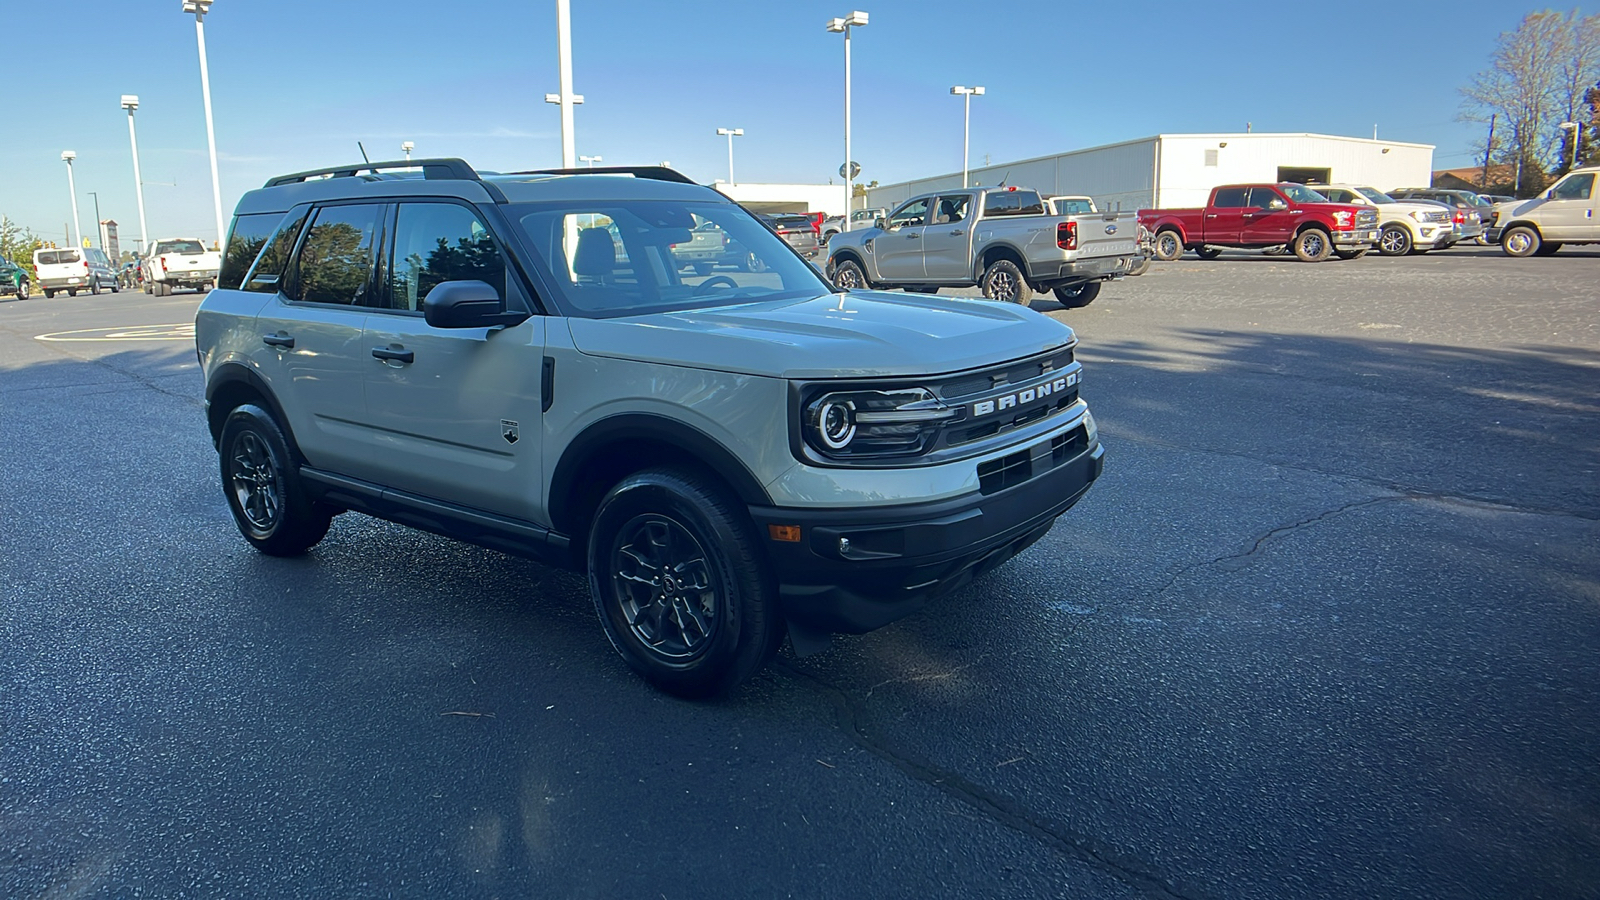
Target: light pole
x: 731, y: 133
x: 566, y: 99
x: 130, y: 102
x: 966, y: 128
x: 99, y: 230
x: 72, y: 193
x: 591, y: 160
x: 200, y: 8
x: 406, y: 147
x: 1577, y: 135
x: 843, y: 26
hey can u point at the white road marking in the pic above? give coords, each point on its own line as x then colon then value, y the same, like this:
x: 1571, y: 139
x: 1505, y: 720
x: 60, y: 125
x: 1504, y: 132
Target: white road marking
x: 181, y: 331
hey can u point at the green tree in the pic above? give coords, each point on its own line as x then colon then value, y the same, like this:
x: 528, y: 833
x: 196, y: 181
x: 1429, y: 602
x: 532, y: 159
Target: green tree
x: 17, y: 244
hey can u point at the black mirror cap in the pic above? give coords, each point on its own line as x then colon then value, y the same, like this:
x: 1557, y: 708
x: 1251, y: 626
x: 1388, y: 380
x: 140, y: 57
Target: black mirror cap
x: 467, y: 304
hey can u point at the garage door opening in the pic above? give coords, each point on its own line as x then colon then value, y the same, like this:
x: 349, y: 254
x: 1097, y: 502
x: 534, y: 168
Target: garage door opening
x: 1301, y: 175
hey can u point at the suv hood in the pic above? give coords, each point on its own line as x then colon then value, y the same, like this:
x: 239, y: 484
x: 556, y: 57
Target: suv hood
x: 867, y: 334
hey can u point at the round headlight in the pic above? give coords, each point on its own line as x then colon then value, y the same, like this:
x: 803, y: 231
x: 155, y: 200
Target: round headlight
x: 836, y: 423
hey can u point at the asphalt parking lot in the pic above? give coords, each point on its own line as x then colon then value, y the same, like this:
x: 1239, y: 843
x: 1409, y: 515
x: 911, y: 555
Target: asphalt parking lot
x: 1326, y: 628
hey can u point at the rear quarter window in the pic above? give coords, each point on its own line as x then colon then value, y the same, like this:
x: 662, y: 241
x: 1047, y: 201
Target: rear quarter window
x: 245, y: 242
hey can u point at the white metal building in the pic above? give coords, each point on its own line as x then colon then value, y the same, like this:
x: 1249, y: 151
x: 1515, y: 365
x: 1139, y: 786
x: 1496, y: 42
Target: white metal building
x: 780, y: 198
x: 1181, y: 169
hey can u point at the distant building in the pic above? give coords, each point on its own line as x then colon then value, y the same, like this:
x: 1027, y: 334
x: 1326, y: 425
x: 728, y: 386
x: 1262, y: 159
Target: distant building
x: 1181, y: 169
x: 1473, y: 178
x: 784, y: 198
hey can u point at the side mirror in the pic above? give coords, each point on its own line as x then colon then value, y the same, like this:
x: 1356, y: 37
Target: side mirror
x: 1550, y: 194
x: 467, y: 304
x: 880, y: 223
x: 1276, y: 204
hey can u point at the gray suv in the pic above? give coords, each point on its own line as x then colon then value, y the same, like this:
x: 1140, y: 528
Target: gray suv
x: 521, y: 362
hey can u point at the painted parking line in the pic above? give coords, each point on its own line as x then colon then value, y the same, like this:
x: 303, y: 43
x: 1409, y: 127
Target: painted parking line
x: 182, y: 331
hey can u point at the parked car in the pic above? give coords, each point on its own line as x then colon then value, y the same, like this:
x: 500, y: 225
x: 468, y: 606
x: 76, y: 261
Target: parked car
x: 72, y: 270
x: 1403, y: 226
x: 731, y: 461
x: 1002, y: 240
x: 1568, y: 213
x: 1498, y: 198
x: 1468, y: 215
x: 14, y: 279
x: 180, y: 263
x: 861, y: 218
x: 1079, y: 204
x: 1260, y: 216
x: 798, y: 230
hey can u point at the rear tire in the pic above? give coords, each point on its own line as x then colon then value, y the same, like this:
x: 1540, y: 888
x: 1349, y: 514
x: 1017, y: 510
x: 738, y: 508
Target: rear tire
x: 49, y: 294
x: 1208, y: 252
x: 72, y: 292
x: 680, y: 584
x: 1004, y: 281
x: 1312, y: 245
x: 1350, y: 254
x: 703, y: 268
x: 1521, y: 241
x: 22, y: 291
x: 1078, y: 295
x: 263, y: 488
x: 1168, y: 246
x: 1395, y: 240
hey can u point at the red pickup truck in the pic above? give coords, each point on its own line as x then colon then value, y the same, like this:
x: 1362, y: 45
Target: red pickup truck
x: 1264, y: 215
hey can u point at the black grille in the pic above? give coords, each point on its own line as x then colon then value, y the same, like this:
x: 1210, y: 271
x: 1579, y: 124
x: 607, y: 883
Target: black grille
x: 1008, y: 471
x: 1011, y: 373
x: 1032, y: 413
x: 1065, y: 446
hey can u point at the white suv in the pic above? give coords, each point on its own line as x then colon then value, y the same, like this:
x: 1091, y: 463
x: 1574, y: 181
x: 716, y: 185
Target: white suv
x: 1405, y: 226
x: 520, y: 361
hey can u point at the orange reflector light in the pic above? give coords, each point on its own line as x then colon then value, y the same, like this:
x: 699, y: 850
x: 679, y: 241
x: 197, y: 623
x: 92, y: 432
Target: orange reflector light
x: 787, y: 533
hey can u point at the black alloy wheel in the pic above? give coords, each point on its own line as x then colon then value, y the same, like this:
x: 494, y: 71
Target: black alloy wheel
x: 262, y: 491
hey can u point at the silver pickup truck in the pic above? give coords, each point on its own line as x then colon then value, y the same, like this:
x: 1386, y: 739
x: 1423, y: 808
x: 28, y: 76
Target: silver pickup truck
x: 1003, y: 240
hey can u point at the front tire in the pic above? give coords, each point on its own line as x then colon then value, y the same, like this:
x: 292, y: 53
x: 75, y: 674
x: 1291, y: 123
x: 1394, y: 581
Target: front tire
x: 1168, y: 246
x: 847, y: 276
x: 1312, y: 245
x: 1208, y: 252
x: 263, y: 490
x: 22, y: 291
x: 1078, y: 295
x: 1004, y: 281
x: 680, y: 585
x: 1521, y: 241
x: 1395, y: 240
x: 1548, y: 248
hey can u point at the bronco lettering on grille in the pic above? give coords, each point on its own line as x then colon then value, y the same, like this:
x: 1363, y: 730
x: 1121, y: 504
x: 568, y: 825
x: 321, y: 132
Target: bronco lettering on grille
x: 1011, y: 401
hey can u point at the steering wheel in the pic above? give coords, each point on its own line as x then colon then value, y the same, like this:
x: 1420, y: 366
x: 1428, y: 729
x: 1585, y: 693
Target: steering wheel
x: 715, y: 281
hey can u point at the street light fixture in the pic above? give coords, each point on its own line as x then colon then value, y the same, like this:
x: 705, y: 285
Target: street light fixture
x: 843, y: 26
x: 68, y: 156
x: 966, y: 129
x: 731, y: 133
x: 130, y: 102
x: 591, y: 160
x: 199, y: 8
x: 566, y: 99
x: 1577, y: 135
x: 406, y: 147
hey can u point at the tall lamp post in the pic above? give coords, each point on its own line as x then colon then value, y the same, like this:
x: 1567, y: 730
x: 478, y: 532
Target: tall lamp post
x: 99, y: 229
x: 406, y: 147
x: 1577, y: 135
x: 731, y: 133
x: 68, y: 156
x: 130, y: 102
x: 591, y: 160
x: 843, y: 26
x: 200, y: 8
x: 966, y: 128
x: 566, y: 99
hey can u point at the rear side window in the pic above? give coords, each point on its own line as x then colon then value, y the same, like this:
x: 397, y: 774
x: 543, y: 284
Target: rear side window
x: 1029, y: 203
x: 245, y: 240
x: 335, y: 262
x: 438, y: 242
x: 1230, y: 198
x: 1001, y: 204
x: 273, y: 261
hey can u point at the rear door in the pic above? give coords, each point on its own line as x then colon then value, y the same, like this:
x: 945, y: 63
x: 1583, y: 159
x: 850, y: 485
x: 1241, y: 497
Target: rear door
x: 1267, y: 218
x: 454, y: 412
x: 947, y: 239
x: 1224, y: 218
x: 899, y: 248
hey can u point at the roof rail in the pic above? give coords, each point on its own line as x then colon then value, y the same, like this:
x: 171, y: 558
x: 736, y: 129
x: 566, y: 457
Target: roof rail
x: 655, y: 173
x: 432, y: 170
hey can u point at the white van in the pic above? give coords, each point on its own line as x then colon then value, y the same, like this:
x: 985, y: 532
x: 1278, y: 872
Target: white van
x: 72, y: 270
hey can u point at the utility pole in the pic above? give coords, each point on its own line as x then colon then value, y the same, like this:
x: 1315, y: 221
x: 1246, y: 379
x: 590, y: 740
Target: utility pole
x: 1488, y: 153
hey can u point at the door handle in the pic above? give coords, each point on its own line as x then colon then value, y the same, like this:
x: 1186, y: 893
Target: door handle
x: 386, y: 353
x: 912, y: 237
x: 957, y: 233
x: 1214, y: 215
x: 278, y: 340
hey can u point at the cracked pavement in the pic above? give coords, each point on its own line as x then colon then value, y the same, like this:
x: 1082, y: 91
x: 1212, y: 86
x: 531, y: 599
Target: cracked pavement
x: 1326, y: 627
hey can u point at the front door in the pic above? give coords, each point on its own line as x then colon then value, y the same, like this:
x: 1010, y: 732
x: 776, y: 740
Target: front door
x: 1267, y: 219
x: 947, y: 240
x: 899, y: 248
x: 1569, y: 214
x: 454, y: 412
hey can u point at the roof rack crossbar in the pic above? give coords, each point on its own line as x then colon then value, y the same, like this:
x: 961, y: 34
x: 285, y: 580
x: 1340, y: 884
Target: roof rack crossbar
x: 654, y: 173
x: 432, y: 170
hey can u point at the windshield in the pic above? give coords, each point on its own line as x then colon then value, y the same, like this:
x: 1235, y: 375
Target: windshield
x: 1299, y: 193
x: 629, y: 257
x: 1375, y: 195
x: 185, y: 248
x: 1477, y: 200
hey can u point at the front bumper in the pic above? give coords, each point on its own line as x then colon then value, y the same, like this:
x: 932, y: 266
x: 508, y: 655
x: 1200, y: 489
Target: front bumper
x: 856, y: 569
x: 1355, y: 238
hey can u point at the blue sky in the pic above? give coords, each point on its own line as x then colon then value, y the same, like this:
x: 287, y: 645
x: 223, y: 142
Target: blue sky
x: 296, y: 83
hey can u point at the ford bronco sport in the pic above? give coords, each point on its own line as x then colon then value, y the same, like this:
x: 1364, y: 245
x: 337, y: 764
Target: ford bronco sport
x: 519, y: 361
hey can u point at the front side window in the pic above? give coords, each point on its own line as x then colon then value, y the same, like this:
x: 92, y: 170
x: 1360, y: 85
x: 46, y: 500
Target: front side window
x: 610, y: 258
x: 245, y: 240
x: 1265, y: 198
x: 951, y: 209
x: 335, y: 262
x: 1574, y: 187
x: 1299, y: 193
x: 438, y: 242
x: 913, y: 213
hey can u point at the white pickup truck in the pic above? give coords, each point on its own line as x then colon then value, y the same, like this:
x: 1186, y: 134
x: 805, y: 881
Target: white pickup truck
x: 180, y: 262
x: 1002, y: 239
